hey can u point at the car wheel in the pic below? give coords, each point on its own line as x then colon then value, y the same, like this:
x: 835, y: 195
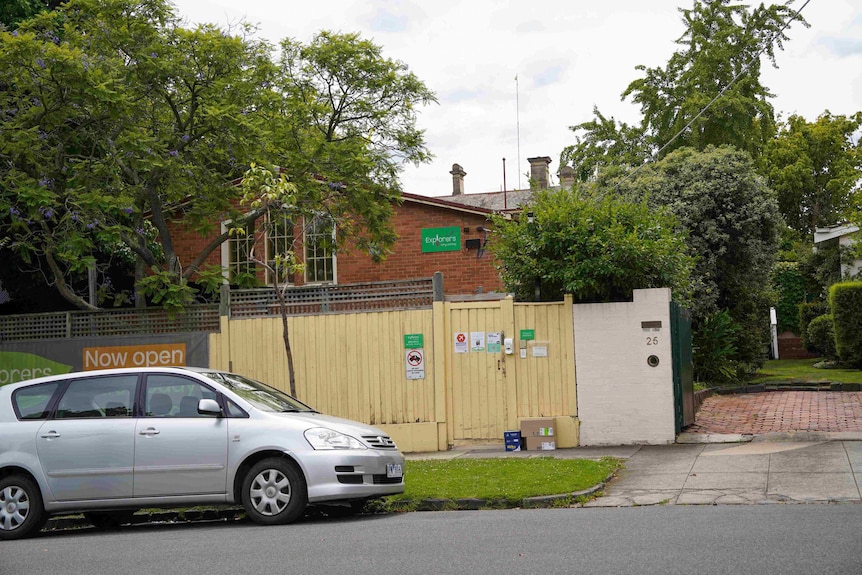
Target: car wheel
x: 274, y: 492
x: 109, y: 519
x: 21, y: 512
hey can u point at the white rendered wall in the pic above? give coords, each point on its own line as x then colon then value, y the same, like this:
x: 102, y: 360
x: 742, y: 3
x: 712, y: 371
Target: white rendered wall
x: 621, y: 399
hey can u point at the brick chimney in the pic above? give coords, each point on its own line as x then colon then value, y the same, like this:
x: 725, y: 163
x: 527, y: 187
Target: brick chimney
x: 458, y: 174
x: 567, y: 177
x: 539, y: 171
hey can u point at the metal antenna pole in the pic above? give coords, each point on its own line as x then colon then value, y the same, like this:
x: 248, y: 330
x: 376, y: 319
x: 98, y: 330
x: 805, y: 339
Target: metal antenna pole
x: 518, y: 124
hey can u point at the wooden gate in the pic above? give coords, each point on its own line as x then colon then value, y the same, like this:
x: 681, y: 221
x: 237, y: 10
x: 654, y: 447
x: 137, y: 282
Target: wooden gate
x: 479, y: 399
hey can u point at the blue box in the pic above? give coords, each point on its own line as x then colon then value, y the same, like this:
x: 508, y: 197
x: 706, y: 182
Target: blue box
x: 512, y: 440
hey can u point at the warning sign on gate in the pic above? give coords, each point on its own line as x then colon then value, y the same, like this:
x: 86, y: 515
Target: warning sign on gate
x: 415, y: 362
x: 461, y: 342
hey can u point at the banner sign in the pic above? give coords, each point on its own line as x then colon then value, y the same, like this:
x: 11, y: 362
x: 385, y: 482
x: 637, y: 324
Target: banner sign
x: 441, y: 239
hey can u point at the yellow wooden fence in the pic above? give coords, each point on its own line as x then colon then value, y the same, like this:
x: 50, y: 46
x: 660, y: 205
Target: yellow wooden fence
x: 354, y: 365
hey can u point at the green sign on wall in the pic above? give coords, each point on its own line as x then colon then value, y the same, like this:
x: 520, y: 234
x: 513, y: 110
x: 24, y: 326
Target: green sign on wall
x: 528, y: 334
x: 413, y: 341
x: 441, y: 239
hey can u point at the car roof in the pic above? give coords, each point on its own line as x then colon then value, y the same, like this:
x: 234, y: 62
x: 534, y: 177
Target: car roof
x: 96, y: 372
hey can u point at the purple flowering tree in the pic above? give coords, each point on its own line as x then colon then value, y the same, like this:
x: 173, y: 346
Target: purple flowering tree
x: 113, y: 138
x: 112, y: 133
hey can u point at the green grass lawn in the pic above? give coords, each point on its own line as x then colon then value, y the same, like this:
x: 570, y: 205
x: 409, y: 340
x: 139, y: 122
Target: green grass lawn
x: 802, y: 370
x: 504, y: 479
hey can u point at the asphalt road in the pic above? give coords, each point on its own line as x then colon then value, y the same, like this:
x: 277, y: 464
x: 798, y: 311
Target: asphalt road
x: 756, y: 539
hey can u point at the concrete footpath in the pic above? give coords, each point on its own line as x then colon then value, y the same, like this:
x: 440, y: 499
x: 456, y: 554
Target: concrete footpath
x: 771, y: 468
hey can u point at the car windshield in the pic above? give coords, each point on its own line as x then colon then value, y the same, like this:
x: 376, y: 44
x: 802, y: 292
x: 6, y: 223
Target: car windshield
x: 260, y: 395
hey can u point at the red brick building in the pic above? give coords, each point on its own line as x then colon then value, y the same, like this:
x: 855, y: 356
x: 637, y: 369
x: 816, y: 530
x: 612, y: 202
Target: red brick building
x: 447, y: 234
x: 434, y: 235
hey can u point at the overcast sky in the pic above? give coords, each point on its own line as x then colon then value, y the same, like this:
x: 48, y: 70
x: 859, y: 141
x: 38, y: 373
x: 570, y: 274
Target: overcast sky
x: 568, y: 55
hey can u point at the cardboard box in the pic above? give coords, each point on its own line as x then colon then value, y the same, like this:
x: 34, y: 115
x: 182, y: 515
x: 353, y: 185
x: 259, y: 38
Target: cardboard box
x: 541, y: 444
x: 543, y: 427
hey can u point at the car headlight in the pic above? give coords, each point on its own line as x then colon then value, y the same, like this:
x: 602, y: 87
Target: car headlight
x: 322, y: 438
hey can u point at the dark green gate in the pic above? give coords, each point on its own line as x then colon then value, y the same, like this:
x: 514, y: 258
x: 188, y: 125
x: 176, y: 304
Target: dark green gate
x: 683, y: 372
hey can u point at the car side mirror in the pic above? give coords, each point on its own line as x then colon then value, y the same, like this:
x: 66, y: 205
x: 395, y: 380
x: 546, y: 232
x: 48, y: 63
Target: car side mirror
x: 209, y: 407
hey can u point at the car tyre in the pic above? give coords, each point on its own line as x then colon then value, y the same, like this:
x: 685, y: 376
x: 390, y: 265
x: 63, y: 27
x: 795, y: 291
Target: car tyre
x: 109, y: 519
x: 21, y: 511
x: 274, y: 492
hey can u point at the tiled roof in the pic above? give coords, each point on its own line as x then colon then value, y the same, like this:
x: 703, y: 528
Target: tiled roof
x: 492, y: 201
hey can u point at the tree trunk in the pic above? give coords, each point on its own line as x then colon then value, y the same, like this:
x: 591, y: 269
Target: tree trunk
x: 140, y: 272
x: 64, y: 288
x: 286, y: 335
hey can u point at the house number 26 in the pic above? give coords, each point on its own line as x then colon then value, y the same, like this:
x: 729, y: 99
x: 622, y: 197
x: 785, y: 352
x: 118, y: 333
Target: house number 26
x: 652, y: 341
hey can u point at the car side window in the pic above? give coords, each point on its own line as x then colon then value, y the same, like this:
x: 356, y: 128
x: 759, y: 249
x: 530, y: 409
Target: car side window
x: 174, y: 396
x: 103, y: 396
x: 233, y: 410
x: 32, y: 402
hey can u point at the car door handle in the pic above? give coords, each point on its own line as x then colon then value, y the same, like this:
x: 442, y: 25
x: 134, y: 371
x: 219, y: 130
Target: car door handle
x: 150, y: 431
x: 51, y: 435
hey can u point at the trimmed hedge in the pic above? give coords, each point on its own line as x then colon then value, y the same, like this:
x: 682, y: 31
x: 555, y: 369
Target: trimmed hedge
x: 821, y: 336
x: 807, y: 312
x: 845, y: 299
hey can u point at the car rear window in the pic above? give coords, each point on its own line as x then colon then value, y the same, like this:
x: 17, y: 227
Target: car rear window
x: 32, y: 402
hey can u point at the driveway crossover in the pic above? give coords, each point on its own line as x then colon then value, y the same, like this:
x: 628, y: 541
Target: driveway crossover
x: 756, y: 472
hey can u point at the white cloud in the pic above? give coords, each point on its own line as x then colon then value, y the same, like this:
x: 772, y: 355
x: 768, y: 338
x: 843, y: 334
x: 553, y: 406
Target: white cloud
x: 569, y: 57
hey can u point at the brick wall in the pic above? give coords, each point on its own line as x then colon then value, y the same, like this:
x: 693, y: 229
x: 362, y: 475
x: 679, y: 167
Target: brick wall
x: 463, y: 272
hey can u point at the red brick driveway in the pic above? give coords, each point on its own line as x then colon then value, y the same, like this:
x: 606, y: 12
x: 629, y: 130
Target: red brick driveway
x: 776, y: 411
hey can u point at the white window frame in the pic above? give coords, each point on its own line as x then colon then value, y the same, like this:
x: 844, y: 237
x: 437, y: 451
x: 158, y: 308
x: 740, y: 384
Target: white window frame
x: 227, y: 249
x: 270, y: 241
x: 308, y: 232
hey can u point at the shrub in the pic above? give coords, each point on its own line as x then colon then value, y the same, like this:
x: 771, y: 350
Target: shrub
x: 714, y: 348
x: 790, y: 285
x: 807, y: 312
x: 845, y: 299
x: 596, y: 247
x: 821, y: 337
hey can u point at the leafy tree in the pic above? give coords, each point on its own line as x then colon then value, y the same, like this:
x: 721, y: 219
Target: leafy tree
x: 721, y: 41
x: 14, y: 11
x: 119, y: 122
x: 597, y: 247
x: 603, y: 148
x: 732, y: 221
x: 351, y: 123
x: 722, y: 38
x: 116, y: 111
x: 816, y: 168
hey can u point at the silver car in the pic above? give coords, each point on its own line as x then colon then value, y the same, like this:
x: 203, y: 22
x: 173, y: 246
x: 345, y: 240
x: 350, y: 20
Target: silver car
x: 109, y: 442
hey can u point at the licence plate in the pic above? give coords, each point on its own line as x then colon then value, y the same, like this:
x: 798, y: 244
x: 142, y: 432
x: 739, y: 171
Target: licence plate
x: 394, y: 470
